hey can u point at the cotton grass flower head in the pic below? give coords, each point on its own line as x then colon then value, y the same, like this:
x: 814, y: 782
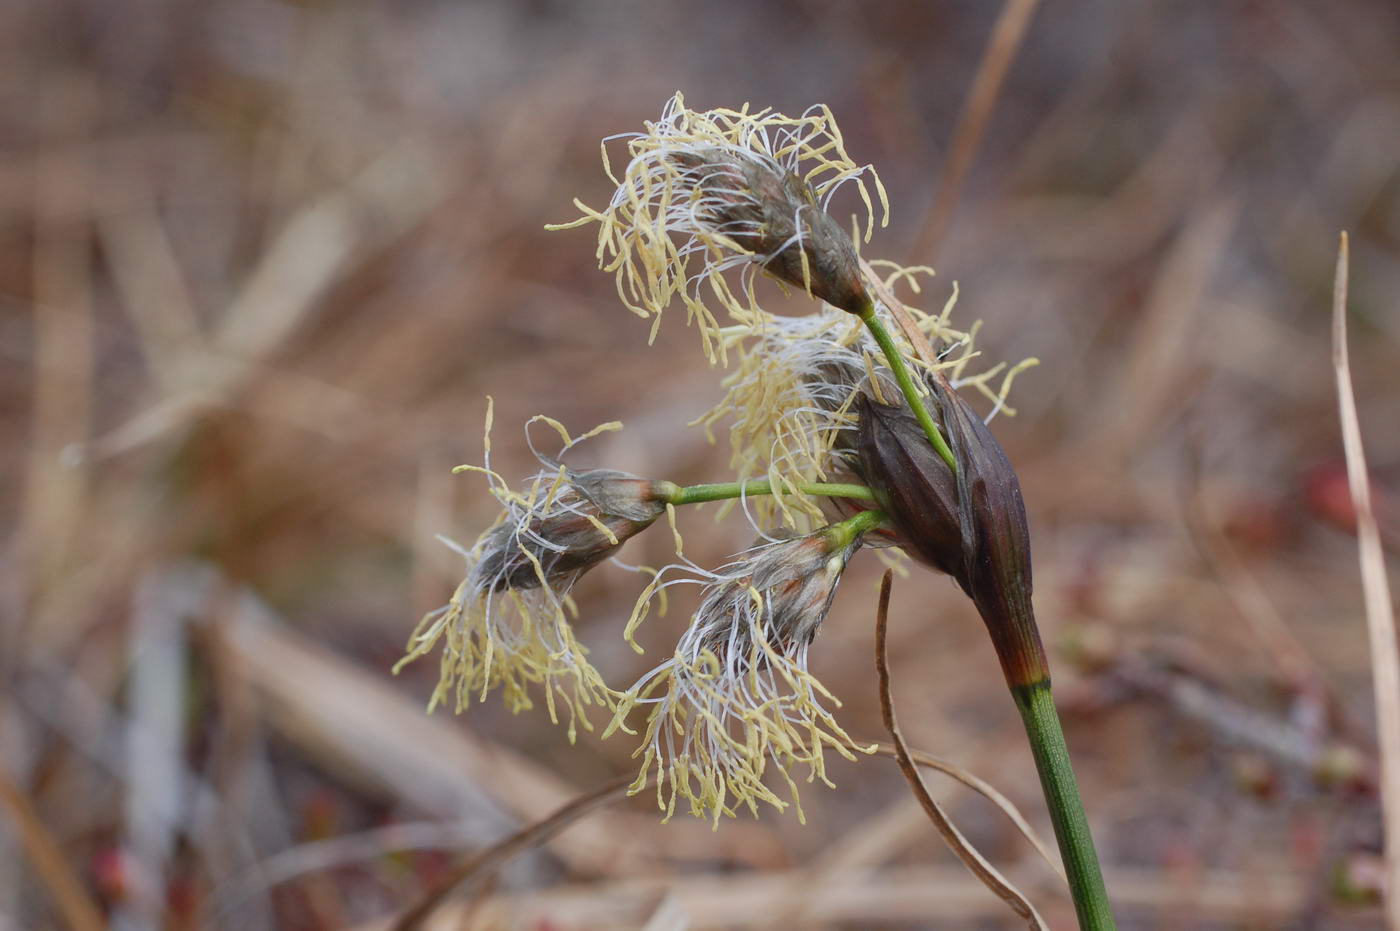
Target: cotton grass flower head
x: 736, y: 698
x: 790, y: 398
x: 506, y: 625
x: 707, y: 191
x: 734, y: 715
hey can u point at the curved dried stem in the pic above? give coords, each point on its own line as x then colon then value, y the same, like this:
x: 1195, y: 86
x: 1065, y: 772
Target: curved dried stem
x: 985, y: 789
x: 50, y: 864
x: 974, y: 861
x: 506, y: 849
x: 1375, y: 588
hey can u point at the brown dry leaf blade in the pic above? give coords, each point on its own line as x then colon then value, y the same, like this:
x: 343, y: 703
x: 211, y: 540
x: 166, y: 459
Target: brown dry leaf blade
x: 1380, y: 614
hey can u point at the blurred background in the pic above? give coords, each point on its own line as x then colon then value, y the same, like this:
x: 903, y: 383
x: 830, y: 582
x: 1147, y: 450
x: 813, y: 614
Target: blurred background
x: 261, y: 262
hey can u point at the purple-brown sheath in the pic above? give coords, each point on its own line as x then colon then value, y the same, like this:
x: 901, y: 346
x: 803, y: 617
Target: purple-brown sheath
x: 970, y: 525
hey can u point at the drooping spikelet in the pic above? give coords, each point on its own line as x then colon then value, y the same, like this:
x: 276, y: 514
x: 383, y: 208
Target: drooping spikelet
x: 736, y: 698
x: 506, y: 625
x: 707, y: 191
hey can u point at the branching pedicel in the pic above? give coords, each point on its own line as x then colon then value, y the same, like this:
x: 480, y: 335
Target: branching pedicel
x: 707, y: 201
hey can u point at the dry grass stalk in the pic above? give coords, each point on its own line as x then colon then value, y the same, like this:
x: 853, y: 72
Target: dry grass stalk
x: 878, y: 838
x: 974, y: 861
x: 988, y: 791
x: 49, y: 861
x: 56, y: 499
x: 1158, y: 368
x: 500, y: 853
x: 319, y: 856
x: 1002, y: 45
x: 1380, y: 613
x: 155, y: 747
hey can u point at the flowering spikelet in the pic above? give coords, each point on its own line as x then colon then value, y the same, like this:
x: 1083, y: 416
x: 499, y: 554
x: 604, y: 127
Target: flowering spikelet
x: 730, y: 188
x: 789, y: 400
x: 737, y: 695
x: 506, y: 623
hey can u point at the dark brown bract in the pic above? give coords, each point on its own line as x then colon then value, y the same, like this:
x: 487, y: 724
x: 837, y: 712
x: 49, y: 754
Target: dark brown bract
x: 970, y: 525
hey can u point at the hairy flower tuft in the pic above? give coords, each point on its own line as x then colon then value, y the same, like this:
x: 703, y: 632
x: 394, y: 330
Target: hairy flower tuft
x: 506, y: 625
x: 737, y: 696
x: 707, y: 191
x: 789, y: 401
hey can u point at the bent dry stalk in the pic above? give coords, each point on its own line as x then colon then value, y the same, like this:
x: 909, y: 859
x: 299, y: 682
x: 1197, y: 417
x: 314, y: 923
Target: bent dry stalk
x: 843, y: 432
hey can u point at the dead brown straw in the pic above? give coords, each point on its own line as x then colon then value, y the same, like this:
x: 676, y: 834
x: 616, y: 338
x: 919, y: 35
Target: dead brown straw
x: 1005, y: 40
x: 79, y: 912
x: 1380, y: 615
x: 988, y: 791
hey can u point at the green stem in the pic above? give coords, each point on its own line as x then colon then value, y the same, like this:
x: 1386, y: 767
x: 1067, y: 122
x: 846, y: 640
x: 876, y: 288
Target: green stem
x: 1047, y: 740
x: 843, y: 533
x: 720, y: 491
x: 900, y: 369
